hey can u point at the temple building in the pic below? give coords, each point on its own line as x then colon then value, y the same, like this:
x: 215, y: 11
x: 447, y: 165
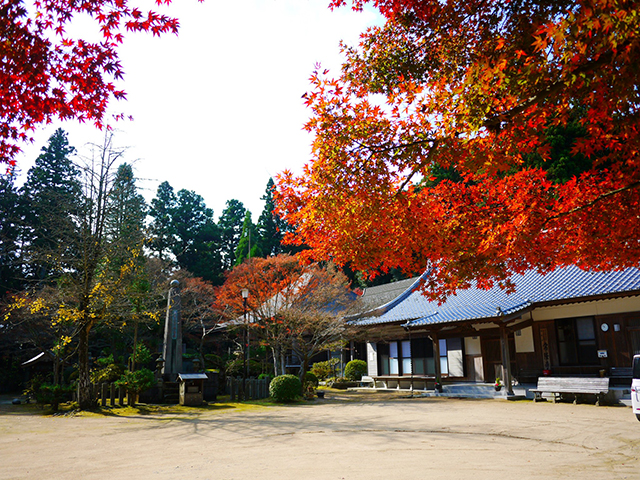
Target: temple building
x: 568, y: 322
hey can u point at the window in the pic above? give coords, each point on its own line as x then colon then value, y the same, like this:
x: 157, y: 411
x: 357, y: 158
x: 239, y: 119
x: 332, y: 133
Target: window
x: 422, y: 349
x: 444, y: 362
x: 577, y: 341
x: 393, y: 358
x: 383, y: 358
x: 406, y: 358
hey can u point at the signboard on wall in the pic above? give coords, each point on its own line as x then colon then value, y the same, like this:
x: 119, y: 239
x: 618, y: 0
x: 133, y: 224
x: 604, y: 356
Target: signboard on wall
x: 546, y: 354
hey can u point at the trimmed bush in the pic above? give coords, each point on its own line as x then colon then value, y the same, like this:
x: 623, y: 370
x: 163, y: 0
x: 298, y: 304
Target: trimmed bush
x: 310, y: 378
x: 325, y: 369
x: 355, y: 369
x: 285, y: 388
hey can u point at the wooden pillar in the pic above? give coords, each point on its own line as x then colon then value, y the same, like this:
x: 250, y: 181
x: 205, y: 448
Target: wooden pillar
x: 506, y: 359
x: 436, y: 357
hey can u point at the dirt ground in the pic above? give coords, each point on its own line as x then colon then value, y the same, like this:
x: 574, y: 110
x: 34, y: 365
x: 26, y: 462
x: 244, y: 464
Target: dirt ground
x: 345, y: 436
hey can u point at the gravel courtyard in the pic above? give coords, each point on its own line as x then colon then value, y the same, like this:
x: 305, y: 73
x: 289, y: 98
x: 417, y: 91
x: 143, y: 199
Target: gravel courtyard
x: 346, y: 436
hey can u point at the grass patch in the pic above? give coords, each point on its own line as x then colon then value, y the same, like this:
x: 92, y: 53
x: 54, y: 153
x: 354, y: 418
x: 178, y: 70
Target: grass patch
x: 71, y: 409
x: 223, y: 405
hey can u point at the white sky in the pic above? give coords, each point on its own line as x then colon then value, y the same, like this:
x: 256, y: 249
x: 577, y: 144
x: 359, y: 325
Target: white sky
x: 218, y: 109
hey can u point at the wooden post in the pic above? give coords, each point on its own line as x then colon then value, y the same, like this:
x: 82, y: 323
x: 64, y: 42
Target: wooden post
x: 241, y: 393
x: 436, y: 357
x: 112, y: 394
x: 103, y: 394
x: 506, y: 360
x: 232, y: 389
x: 121, y: 396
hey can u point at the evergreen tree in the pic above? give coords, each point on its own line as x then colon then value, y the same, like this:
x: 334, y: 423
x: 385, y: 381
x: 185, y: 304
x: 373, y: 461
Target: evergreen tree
x: 127, y: 211
x: 54, y: 201
x: 230, y: 224
x: 10, y: 271
x: 247, y: 246
x: 270, y: 226
x: 197, y: 238
x: 162, y: 229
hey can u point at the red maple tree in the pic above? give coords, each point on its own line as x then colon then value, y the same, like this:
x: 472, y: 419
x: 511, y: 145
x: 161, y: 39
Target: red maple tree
x: 476, y: 89
x: 45, y: 73
x: 291, y: 306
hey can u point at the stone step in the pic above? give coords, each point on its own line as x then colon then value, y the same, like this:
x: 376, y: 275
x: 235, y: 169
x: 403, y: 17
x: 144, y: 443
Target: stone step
x: 473, y: 391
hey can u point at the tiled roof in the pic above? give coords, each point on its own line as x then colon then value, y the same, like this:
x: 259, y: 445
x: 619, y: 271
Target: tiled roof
x: 374, y: 297
x: 531, y: 288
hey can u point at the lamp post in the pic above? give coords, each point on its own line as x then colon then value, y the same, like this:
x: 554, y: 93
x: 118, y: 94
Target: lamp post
x: 245, y: 342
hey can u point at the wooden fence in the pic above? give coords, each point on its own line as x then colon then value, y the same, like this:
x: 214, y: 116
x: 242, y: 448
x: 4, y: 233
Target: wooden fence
x: 103, y: 392
x: 256, y: 389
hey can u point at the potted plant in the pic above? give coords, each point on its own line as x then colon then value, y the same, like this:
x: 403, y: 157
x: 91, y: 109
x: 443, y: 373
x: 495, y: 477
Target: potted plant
x: 498, y: 384
x: 437, y: 387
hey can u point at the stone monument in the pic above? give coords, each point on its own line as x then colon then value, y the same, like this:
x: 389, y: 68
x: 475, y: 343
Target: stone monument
x: 172, y: 347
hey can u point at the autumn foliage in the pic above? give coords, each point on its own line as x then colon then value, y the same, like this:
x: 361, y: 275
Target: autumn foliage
x: 479, y: 90
x: 290, y: 305
x: 46, y: 73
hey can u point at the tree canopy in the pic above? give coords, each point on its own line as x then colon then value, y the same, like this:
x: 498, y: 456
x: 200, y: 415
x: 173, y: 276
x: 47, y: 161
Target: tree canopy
x: 290, y: 305
x: 482, y: 89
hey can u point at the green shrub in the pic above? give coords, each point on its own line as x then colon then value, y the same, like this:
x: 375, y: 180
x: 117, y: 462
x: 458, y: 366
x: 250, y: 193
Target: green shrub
x: 137, y: 381
x: 142, y: 355
x: 53, y: 395
x: 322, y: 370
x: 265, y: 376
x: 110, y: 373
x: 310, y: 378
x: 104, y: 362
x: 285, y: 388
x: 355, y: 369
x: 235, y: 368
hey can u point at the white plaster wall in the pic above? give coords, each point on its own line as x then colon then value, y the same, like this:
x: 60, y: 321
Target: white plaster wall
x: 455, y: 358
x: 372, y: 359
x: 600, y: 307
x: 472, y: 346
x: 524, y: 341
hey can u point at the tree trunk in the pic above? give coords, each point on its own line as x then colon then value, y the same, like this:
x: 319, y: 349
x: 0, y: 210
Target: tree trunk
x: 274, y: 353
x: 201, y: 348
x: 56, y: 370
x: 84, y: 382
x: 134, y: 357
x: 304, y: 367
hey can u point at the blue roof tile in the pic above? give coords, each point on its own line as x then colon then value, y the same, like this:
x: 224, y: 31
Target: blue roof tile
x: 531, y: 288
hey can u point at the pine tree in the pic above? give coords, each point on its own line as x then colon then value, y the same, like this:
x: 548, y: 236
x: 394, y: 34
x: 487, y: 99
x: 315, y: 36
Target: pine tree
x: 127, y: 211
x: 247, y: 246
x: 270, y: 226
x: 230, y: 224
x: 197, y: 237
x: 161, y: 229
x: 53, y: 202
x: 10, y: 210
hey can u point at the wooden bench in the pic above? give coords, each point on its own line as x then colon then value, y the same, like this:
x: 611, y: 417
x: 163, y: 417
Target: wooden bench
x: 367, y: 381
x: 560, y: 386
